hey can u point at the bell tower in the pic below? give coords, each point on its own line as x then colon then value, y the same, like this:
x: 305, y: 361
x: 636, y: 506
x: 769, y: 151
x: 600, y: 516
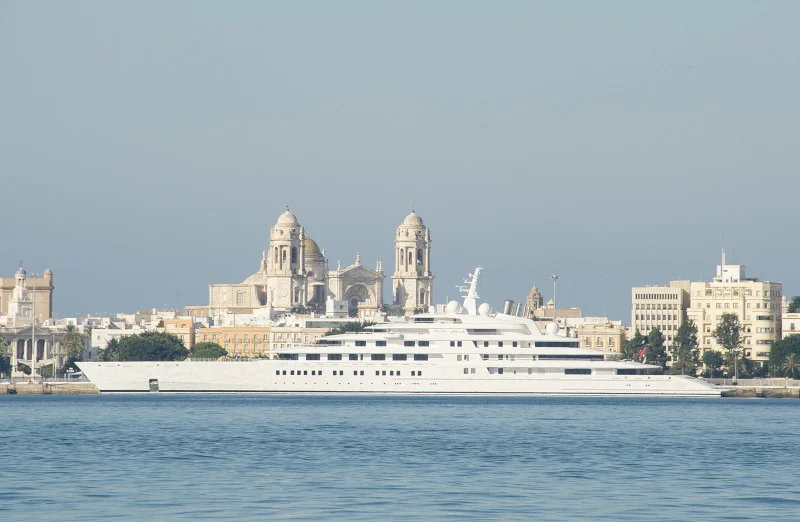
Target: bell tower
x: 412, y: 282
x: 285, y: 265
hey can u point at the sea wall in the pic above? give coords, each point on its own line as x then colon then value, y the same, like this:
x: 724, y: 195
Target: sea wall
x: 767, y: 392
x: 48, y: 388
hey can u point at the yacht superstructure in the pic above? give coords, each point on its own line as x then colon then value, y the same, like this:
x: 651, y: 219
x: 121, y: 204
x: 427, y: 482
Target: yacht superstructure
x: 465, y: 350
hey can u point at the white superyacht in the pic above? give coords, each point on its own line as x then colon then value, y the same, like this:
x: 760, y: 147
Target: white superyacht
x: 465, y: 350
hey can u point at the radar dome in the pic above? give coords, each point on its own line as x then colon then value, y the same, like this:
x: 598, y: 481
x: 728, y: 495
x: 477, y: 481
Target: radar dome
x: 452, y: 307
x: 484, y: 309
x: 552, y: 328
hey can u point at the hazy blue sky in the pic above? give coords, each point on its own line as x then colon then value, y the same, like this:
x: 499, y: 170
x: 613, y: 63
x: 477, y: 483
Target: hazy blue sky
x: 146, y: 148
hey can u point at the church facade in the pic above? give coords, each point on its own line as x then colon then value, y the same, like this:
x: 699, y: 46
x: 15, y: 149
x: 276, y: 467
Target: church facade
x: 294, y: 276
x: 22, y: 296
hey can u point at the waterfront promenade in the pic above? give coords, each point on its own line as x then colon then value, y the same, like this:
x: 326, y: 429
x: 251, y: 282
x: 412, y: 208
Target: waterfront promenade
x: 773, y: 388
x: 19, y: 386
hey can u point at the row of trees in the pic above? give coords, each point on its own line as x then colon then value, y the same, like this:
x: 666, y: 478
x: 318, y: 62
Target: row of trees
x: 784, y: 360
x: 162, y: 346
x: 157, y: 346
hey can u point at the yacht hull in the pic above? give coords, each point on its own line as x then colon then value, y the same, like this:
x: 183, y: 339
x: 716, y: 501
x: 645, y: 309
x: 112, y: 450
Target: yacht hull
x: 267, y: 376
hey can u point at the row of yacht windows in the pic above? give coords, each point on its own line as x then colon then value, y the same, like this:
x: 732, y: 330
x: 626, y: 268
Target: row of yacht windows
x: 355, y: 357
x: 392, y: 373
x: 540, y: 357
x: 568, y: 371
x: 485, y: 344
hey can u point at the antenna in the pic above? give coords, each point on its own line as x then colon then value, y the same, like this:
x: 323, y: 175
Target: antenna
x: 471, y: 299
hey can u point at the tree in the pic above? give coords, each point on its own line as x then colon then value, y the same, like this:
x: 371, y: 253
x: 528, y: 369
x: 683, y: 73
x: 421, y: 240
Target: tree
x: 780, y: 351
x: 207, y: 350
x: 728, y: 334
x: 348, y: 327
x: 684, y: 350
x: 631, y: 348
x: 794, y: 305
x: 110, y: 352
x: 791, y: 366
x: 656, y: 353
x: 148, y: 346
x: 713, y: 361
x: 5, y: 357
x: 74, y: 343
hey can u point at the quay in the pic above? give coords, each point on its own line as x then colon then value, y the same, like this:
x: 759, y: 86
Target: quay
x: 776, y: 388
x: 48, y: 387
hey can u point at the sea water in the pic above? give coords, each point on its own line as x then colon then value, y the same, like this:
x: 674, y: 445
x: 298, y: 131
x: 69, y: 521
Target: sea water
x: 311, y: 457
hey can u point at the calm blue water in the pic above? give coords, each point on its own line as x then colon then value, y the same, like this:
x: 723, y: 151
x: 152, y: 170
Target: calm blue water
x: 151, y: 457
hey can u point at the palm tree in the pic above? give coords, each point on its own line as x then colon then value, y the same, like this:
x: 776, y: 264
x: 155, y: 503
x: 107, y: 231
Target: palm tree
x: 791, y: 367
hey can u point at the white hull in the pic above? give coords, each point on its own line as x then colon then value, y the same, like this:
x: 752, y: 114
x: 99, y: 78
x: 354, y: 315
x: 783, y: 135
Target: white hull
x: 260, y: 376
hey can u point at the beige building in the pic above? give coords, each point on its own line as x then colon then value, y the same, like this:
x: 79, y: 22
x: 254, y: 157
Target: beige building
x: 237, y: 340
x: 180, y: 327
x: 661, y: 307
x: 601, y: 335
x: 252, y: 341
x: 790, y: 321
x: 19, y: 294
x: 790, y: 324
x: 757, y: 303
x: 289, y: 336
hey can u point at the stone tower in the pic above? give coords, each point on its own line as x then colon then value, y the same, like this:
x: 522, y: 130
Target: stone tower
x: 534, y: 300
x: 412, y: 282
x: 286, y: 274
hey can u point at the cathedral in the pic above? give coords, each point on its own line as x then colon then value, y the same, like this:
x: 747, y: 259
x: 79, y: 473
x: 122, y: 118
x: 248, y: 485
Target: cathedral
x: 294, y: 276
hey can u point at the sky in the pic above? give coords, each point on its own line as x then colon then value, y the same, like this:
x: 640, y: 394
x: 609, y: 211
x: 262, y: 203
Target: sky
x: 147, y: 148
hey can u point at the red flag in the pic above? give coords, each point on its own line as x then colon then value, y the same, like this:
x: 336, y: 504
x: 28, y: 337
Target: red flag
x: 643, y: 352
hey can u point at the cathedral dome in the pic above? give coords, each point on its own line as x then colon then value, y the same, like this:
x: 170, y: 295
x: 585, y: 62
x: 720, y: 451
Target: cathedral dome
x: 412, y: 220
x: 287, y: 218
x: 311, y: 248
x: 21, y: 273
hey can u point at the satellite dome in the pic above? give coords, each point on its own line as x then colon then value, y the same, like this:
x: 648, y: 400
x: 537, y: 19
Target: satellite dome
x: 552, y: 328
x: 484, y: 309
x: 452, y: 307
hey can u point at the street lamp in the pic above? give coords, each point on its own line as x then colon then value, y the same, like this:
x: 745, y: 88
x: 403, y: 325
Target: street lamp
x: 555, y: 278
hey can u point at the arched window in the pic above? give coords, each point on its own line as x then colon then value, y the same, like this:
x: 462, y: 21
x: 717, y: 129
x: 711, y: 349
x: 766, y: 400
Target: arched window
x: 294, y: 254
x: 297, y: 295
x: 410, y: 257
x: 422, y: 297
x: 419, y: 256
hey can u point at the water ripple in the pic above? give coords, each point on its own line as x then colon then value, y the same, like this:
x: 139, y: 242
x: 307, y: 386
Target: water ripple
x: 209, y: 457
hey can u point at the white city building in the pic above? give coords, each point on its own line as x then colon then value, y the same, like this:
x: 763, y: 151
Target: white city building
x: 661, y: 307
x: 756, y: 302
